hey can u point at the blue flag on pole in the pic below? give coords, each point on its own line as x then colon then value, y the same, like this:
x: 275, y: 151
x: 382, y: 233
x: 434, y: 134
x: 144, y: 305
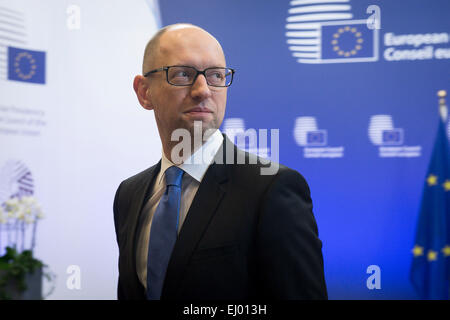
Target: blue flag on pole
x: 430, y: 267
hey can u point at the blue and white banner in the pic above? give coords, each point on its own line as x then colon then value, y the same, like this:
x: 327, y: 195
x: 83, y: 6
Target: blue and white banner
x: 351, y: 85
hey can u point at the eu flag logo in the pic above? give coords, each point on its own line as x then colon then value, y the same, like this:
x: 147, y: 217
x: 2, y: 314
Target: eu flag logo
x: 26, y: 65
x: 316, y: 138
x: 348, y: 41
x: 392, y: 137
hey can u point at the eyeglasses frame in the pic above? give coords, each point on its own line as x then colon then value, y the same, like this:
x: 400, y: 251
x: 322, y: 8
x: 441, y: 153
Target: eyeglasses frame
x: 166, y: 68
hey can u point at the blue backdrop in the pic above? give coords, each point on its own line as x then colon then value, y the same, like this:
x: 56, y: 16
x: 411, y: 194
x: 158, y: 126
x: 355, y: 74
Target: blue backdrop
x: 360, y: 131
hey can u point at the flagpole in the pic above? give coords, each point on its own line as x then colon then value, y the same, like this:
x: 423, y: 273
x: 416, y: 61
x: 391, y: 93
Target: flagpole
x: 442, y: 105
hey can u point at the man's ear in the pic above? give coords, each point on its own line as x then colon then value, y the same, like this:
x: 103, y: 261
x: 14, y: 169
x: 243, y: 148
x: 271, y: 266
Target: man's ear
x: 141, y: 86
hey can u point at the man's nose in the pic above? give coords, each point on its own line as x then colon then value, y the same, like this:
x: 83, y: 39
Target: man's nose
x: 200, y: 89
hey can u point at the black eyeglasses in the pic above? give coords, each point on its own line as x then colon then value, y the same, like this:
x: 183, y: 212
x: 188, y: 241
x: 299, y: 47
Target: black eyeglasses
x: 186, y: 75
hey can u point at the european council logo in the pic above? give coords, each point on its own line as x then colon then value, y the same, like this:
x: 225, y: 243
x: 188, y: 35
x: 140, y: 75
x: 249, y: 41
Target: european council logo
x: 382, y: 131
x: 26, y: 65
x: 321, y: 32
x: 246, y: 139
x: 307, y: 134
x: 390, y: 140
x: 313, y: 140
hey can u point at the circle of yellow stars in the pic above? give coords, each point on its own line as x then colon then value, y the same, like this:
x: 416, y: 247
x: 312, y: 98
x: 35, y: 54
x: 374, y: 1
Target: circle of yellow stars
x: 357, y: 47
x: 29, y: 57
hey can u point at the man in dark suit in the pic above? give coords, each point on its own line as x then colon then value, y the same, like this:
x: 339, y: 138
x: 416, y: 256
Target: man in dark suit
x: 239, y: 233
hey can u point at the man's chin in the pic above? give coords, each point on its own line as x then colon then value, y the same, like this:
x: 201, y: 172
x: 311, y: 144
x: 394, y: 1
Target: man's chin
x: 198, y: 126
x: 199, y: 116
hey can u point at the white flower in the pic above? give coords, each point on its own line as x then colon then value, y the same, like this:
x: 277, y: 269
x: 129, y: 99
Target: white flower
x: 2, y: 216
x: 12, y: 213
x: 11, y: 205
x: 29, y: 220
x: 39, y: 214
x: 20, y: 214
x: 12, y: 202
x: 28, y: 201
x: 24, y: 209
x: 27, y: 211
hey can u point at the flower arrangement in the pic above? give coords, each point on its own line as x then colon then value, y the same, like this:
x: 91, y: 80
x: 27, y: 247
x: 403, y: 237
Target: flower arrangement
x: 18, y: 222
x: 17, y: 215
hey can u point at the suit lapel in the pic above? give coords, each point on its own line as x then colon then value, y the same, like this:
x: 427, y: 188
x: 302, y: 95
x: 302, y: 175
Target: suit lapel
x: 204, y: 205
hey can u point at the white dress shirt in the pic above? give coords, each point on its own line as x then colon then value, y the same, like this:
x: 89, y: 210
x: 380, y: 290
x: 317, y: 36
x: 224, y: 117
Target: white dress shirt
x: 194, y: 170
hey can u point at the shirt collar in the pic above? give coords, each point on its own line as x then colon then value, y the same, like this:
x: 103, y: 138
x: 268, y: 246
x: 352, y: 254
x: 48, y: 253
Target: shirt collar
x: 197, y: 164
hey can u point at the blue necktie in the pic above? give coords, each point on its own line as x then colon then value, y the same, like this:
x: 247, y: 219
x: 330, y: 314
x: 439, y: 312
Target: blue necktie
x: 163, y: 233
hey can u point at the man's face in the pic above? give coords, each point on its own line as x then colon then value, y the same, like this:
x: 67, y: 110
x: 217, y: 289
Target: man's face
x: 178, y: 107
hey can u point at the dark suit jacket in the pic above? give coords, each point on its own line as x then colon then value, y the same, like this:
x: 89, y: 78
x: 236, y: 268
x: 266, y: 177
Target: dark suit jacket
x: 245, y: 236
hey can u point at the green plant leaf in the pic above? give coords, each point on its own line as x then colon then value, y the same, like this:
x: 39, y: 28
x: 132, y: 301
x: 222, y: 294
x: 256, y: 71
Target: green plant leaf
x: 15, y: 266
